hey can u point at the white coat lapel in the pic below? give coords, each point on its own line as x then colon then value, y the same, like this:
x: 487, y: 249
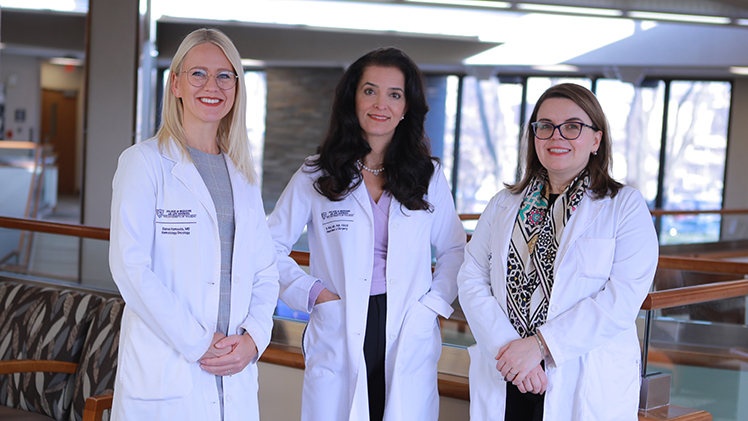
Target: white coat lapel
x: 361, y: 194
x: 186, y: 172
x: 580, y: 220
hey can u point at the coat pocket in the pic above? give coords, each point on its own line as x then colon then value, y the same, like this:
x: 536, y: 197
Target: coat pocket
x: 151, y: 369
x: 324, y: 340
x: 595, y: 257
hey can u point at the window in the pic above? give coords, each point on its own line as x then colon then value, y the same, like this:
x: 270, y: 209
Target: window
x: 489, y: 139
x: 675, y: 158
x: 635, y: 118
x: 694, y: 165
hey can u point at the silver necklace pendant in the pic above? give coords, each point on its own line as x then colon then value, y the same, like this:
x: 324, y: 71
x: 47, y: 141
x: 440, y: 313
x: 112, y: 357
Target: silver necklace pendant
x: 361, y: 165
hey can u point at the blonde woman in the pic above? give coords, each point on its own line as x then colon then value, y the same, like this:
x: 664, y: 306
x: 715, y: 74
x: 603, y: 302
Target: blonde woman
x: 190, y: 250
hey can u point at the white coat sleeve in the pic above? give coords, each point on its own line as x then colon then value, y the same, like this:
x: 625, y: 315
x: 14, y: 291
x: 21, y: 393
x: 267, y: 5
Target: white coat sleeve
x: 448, y: 238
x: 259, y: 322
x: 488, y: 322
x: 287, y: 221
x: 131, y: 259
x: 598, y: 318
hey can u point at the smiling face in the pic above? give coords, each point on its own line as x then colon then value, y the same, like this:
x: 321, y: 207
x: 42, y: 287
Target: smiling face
x: 208, y: 104
x: 380, y: 104
x: 565, y: 159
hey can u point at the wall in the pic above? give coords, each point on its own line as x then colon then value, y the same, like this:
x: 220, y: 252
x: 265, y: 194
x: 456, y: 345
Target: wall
x: 20, y: 75
x: 299, y: 102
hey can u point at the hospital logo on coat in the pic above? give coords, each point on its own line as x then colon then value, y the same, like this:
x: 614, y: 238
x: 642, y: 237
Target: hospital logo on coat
x: 175, y: 213
x: 336, y: 220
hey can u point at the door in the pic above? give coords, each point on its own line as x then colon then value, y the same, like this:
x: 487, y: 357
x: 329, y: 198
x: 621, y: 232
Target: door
x: 59, y: 110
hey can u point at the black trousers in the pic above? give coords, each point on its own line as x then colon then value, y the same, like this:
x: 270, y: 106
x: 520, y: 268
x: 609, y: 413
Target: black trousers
x: 374, y: 347
x: 523, y: 406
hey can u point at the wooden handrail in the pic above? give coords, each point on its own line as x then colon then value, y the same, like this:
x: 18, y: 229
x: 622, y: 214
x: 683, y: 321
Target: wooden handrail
x: 654, y: 212
x: 663, y: 212
x: 695, y: 294
x: 301, y: 257
x: 36, y: 225
x: 655, y: 300
x: 50, y: 366
x: 695, y: 264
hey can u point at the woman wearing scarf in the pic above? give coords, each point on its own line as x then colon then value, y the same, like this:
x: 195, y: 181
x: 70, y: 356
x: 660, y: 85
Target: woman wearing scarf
x: 555, y: 274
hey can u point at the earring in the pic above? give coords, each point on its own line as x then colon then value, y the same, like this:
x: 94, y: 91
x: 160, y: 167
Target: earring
x: 402, y: 118
x: 594, y: 153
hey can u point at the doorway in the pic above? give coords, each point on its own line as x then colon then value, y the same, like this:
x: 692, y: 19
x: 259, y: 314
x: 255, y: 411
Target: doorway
x: 59, y: 116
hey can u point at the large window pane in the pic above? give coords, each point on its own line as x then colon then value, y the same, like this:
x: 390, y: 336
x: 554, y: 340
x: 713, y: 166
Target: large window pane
x: 450, y: 114
x: 635, y: 118
x: 488, y: 141
x: 697, y: 118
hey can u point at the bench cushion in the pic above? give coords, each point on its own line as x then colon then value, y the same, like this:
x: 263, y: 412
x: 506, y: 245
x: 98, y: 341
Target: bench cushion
x: 42, y: 323
x: 98, y: 363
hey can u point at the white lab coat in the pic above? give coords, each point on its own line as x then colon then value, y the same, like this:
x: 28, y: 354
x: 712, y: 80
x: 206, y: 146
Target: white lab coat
x: 603, y: 271
x: 165, y: 258
x: 341, y: 242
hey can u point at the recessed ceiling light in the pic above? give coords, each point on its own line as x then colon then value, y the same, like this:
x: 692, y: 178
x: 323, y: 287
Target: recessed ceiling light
x: 679, y: 18
x: 739, y: 70
x: 569, y: 10
x: 66, y: 61
x: 248, y: 62
x: 556, y: 68
x: 474, y: 3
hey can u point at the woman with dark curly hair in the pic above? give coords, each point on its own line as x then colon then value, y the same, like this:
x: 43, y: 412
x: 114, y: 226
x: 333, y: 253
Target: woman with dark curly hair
x: 374, y: 203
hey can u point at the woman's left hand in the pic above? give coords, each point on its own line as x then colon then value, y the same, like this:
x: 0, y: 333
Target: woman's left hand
x: 518, y: 358
x: 243, y: 351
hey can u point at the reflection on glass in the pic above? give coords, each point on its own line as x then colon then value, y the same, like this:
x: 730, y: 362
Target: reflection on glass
x: 635, y: 118
x: 697, y: 118
x: 256, y: 107
x: 489, y: 137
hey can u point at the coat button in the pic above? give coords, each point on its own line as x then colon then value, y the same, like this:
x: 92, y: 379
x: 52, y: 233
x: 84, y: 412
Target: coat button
x: 393, y: 282
x: 393, y: 337
x: 554, y: 308
x: 229, y: 398
x: 395, y: 226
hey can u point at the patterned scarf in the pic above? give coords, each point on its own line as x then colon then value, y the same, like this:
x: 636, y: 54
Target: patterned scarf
x: 532, y: 251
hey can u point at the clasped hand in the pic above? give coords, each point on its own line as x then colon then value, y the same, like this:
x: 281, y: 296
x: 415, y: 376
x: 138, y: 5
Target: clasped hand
x: 519, y: 362
x: 228, y: 355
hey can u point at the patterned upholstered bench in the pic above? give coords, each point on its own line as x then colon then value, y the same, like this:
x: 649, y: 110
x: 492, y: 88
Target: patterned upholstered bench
x: 58, y: 350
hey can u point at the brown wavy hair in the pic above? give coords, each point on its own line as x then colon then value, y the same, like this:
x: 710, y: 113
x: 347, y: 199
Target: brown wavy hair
x: 601, y: 182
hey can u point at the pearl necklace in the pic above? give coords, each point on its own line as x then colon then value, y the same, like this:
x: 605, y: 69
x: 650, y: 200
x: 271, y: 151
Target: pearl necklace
x: 361, y: 165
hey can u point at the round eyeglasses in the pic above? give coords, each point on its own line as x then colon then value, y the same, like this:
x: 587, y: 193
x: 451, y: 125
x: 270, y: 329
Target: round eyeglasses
x: 569, y: 130
x: 199, y: 77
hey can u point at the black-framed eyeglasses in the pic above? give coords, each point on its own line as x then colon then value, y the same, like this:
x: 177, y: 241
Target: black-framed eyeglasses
x: 570, y: 130
x: 199, y: 77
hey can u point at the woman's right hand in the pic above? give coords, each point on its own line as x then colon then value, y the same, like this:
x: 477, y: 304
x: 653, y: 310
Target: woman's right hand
x: 325, y: 295
x: 214, y: 352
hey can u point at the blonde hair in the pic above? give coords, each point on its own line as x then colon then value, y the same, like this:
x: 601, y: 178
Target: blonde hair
x: 232, y: 131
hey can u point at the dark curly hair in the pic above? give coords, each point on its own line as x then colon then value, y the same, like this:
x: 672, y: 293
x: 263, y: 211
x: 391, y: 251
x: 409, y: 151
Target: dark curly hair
x: 408, y: 162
